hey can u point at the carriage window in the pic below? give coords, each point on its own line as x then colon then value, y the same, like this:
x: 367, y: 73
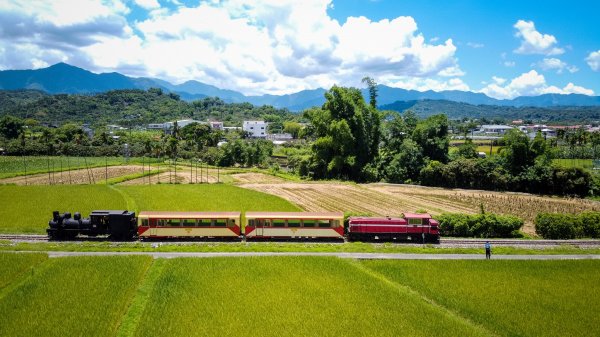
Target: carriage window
x: 230, y: 222
x: 144, y: 222
x: 415, y: 222
x: 309, y: 223
x: 265, y: 223
x: 323, y: 223
x: 189, y: 222
x: 335, y: 223
x: 220, y: 222
x: 162, y: 223
x: 252, y: 223
x: 293, y: 223
x: 173, y: 222
x: 278, y: 223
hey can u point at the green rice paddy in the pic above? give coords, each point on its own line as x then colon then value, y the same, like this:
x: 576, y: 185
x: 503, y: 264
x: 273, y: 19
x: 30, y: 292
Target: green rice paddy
x: 296, y: 296
x: 27, y: 209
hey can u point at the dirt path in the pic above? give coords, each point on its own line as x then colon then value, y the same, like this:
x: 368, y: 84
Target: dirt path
x: 80, y: 176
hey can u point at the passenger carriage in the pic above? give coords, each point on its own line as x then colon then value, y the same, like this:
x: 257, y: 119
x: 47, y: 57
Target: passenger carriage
x: 189, y: 225
x: 416, y: 227
x: 294, y: 225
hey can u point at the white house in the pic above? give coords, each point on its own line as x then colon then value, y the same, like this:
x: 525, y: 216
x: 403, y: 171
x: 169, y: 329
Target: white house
x: 257, y: 129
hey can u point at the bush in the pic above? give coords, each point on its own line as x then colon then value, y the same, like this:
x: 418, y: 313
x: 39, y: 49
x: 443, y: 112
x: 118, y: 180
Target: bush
x: 568, y: 226
x: 480, y: 225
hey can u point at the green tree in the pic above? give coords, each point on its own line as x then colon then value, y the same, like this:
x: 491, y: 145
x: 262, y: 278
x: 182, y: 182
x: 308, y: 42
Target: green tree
x: 11, y: 127
x: 292, y: 128
x: 348, y: 132
x: 431, y: 135
x: 516, y: 151
x: 372, y: 91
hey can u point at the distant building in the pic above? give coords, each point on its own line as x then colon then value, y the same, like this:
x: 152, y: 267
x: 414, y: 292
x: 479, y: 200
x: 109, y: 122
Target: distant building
x: 256, y: 129
x: 280, y: 136
x: 495, y: 129
x: 216, y: 125
x: 168, y: 126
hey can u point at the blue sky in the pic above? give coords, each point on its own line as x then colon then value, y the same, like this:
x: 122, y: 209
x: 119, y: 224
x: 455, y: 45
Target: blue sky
x: 502, y: 48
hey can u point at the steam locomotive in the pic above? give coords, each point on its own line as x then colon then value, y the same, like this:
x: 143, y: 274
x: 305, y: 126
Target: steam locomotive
x: 124, y: 225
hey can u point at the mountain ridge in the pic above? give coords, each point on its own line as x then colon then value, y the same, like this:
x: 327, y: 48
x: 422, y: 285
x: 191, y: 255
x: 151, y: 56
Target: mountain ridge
x: 68, y: 79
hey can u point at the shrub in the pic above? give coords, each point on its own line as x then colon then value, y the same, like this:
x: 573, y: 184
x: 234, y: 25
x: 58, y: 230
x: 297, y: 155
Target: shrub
x: 568, y: 226
x: 557, y: 226
x: 480, y: 225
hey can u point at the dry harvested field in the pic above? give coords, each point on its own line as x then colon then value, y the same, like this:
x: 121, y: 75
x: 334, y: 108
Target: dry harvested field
x: 82, y: 176
x: 253, y: 177
x: 183, y: 176
x: 385, y: 199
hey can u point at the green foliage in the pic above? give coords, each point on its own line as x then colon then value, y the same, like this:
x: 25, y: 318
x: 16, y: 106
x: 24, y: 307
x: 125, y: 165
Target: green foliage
x: 76, y: 296
x: 347, y: 132
x: 568, y: 226
x: 467, y: 150
x: 10, y: 127
x: 431, y: 135
x: 486, y: 225
x: 507, y: 298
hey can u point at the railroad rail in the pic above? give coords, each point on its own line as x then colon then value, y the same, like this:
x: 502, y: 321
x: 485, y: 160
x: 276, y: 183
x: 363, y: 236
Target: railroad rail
x: 461, y: 242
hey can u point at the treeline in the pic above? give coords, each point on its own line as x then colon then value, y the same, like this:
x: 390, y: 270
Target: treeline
x: 354, y: 141
x: 130, y: 108
x: 456, y: 110
x: 486, y: 225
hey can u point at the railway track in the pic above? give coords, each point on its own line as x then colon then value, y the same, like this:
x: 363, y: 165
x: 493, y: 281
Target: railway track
x: 444, y: 242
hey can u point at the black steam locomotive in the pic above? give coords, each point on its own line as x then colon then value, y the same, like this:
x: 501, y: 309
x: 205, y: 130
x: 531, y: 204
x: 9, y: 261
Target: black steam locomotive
x: 119, y: 225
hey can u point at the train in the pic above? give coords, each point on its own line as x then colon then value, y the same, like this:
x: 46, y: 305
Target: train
x: 124, y: 225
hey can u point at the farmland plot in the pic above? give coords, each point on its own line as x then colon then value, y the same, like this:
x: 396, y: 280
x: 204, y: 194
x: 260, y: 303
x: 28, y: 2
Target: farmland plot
x: 13, y: 266
x: 81, y: 296
x: 509, y: 298
x: 287, y: 297
x: 74, y: 177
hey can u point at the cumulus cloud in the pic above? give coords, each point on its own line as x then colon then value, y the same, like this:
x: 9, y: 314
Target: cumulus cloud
x: 556, y: 64
x: 529, y: 84
x: 534, y: 42
x: 148, y: 4
x: 267, y: 46
x: 593, y: 60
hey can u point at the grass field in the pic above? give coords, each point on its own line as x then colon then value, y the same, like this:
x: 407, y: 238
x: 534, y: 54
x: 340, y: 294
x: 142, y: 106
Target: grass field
x: 27, y: 209
x: 80, y: 296
x: 509, y: 298
x: 296, y: 296
x: 582, y: 163
x: 13, y: 266
x: 286, y: 297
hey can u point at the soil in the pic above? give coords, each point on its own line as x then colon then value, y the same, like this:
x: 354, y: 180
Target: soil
x: 74, y: 177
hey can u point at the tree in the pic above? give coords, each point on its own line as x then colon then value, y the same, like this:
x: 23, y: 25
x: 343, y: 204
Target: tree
x: 467, y: 150
x: 11, y: 127
x: 372, y: 91
x: 292, y: 128
x: 348, y: 132
x: 431, y: 135
x: 516, y: 151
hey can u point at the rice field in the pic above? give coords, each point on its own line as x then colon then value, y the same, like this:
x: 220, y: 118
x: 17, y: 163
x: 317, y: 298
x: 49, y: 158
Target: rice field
x: 295, y: 296
x: 76, y: 296
x: 287, y: 297
x: 508, y: 298
x: 27, y: 209
x: 14, y: 266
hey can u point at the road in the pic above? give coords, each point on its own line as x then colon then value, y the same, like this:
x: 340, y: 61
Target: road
x: 359, y: 256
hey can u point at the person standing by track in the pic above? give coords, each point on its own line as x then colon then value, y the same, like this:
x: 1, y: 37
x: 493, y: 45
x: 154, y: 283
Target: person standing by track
x: 488, y: 250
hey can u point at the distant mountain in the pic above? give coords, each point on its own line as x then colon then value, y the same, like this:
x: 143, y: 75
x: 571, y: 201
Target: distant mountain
x: 458, y: 110
x: 64, y: 78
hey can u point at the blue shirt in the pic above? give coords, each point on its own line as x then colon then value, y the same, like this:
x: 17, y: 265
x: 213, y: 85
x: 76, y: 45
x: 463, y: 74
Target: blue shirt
x: 487, y: 245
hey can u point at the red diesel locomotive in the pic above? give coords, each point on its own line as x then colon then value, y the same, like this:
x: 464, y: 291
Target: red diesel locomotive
x: 416, y: 227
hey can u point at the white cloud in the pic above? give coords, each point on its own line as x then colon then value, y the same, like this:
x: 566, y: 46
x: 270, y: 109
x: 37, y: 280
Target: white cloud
x: 593, y: 60
x: 267, y: 46
x: 529, y: 84
x: 424, y: 84
x: 498, y: 80
x: 475, y: 45
x: 509, y: 64
x: 148, y: 4
x: 556, y: 64
x: 534, y: 42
